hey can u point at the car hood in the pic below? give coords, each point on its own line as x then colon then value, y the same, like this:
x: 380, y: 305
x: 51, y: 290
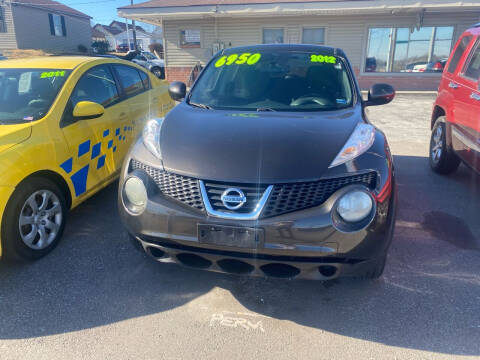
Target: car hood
x: 260, y: 147
x: 11, y: 135
x: 158, y: 62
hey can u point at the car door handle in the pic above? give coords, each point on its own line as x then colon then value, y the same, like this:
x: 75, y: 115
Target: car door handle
x: 452, y: 85
x: 475, y: 96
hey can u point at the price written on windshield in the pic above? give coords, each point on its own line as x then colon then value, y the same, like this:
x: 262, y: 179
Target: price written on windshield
x: 323, y: 59
x: 245, y: 58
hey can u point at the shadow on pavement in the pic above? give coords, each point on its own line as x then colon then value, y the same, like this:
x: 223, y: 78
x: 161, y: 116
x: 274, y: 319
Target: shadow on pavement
x: 428, y: 298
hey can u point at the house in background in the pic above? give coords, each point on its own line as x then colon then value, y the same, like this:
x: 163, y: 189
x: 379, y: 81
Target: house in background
x: 157, y: 35
x: 116, y: 34
x: 109, y: 34
x: 386, y: 40
x: 98, y: 36
x: 42, y: 24
x: 144, y: 38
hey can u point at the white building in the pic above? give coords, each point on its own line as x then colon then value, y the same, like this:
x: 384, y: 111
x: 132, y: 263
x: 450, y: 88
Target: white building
x: 116, y: 34
x: 384, y: 39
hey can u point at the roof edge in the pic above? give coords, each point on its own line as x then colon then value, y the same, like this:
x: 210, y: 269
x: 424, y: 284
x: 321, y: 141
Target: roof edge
x: 79, y: 14
x: 329, y: 4
x: 139, y: 5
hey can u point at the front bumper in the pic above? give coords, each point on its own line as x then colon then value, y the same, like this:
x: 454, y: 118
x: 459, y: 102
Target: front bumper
x: 304, y: 243
x: 300, y: 244
x: 253, y: 263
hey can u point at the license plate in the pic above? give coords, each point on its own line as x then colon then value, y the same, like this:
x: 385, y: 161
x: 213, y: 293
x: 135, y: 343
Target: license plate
x: 243, y: 237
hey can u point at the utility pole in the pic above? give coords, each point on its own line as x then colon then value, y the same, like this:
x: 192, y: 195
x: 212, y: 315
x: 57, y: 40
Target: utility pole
x: 128, y: 34
x: 133, y: 32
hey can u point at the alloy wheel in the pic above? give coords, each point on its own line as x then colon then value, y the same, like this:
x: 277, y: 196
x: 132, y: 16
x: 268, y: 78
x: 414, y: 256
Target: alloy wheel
x: 40, y: 219
x: 437, y: 144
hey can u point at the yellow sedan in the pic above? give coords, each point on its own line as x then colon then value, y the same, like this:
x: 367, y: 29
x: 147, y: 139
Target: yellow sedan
x: 66, y: 124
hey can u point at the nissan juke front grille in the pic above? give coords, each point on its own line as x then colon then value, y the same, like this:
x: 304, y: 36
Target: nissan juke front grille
x: 282, y: 199
x: 286, y: 198
x: 181, y: 188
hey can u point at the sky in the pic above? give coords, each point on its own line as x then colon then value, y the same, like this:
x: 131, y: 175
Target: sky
x: 102, y: 11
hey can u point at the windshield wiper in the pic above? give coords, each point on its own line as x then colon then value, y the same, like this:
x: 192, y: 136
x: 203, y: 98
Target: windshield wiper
x: 265, y: 109
x: 202, y: 106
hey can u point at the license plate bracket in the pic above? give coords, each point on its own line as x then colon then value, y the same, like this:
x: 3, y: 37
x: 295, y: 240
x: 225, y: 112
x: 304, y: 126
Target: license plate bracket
x: 235, y: 236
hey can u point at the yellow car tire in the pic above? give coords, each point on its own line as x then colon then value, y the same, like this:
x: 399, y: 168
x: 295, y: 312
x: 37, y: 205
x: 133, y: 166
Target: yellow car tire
x: 34, y: 219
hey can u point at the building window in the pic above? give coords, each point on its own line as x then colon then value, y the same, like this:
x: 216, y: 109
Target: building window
x: 57, y: 25
x: 3, y: 27
x: 313, y: 36
x: 405, y: 50
x: 190, y: 38
x: 272, y: 36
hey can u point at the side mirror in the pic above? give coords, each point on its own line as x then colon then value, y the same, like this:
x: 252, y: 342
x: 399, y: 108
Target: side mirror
x: 177, y: 90
x: 87, y: 110
x: 380, y: 94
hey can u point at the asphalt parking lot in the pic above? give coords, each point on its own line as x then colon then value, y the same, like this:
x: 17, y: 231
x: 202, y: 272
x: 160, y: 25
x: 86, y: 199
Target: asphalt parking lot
x: 95, y: 297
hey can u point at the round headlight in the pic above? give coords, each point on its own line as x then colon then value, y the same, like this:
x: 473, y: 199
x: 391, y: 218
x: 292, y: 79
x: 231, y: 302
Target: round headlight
x: 354, y: 206
x: 136, y: 194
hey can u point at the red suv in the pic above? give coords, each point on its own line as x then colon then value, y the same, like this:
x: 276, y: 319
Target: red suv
x: 456, y: 114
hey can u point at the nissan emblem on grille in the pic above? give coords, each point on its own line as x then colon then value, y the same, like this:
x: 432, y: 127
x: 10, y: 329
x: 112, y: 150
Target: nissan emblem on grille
x: 233, y: 198
x: 277, y: 199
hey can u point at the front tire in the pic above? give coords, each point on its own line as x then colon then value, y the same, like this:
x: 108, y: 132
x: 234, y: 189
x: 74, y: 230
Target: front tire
x: 442, y: 158
x: 158, y: 72
x: 34, y: 220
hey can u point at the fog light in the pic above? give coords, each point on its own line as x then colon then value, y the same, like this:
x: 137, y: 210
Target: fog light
x: 354, y: 206
x: 135, y: 194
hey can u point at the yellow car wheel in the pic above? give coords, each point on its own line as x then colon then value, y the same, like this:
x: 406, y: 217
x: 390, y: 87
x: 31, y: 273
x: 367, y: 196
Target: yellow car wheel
x: 34, y: 219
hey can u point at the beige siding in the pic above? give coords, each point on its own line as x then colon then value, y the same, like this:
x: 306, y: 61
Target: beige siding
x: 7, y: 39
x: 32, y: 28
x: 346, y: 32
x: 186, y: 57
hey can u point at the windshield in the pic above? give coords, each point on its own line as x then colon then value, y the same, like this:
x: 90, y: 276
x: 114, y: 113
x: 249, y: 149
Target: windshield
x: 149, y: 56
x: 274, y: 80
x: 27, y: 94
